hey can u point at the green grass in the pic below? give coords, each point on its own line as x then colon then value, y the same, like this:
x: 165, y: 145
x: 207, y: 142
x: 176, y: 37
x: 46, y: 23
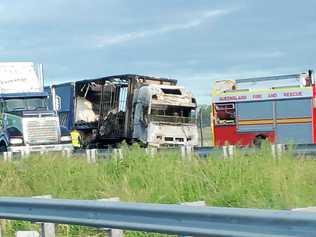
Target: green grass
x: 254, y: 180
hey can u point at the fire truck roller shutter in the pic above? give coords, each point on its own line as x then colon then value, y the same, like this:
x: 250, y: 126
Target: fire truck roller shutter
x: 255, y: 116
x: 294, y: 121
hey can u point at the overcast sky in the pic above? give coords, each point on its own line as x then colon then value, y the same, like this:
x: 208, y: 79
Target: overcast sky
x: 195, y: 42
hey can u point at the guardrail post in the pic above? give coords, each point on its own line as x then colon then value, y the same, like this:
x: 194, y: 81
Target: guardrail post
x: 25, y: 153
x: 183, y: 152
x: 1, y: 228
x: 151, y: 151
x: 42, y: 151
x: 115, y: 233
x: 186, y: 152
x: 27, y: 234
x: 276, y: 150
x: 189, y: 150
x: 94, y: 155
x: 47, y: 229
x: 280, y: 148
x: 112, y: 232
x: 273, y: 151
x: 91, y: 155
x: 118, y: 154
x: 231, y: 151
x: 225, y: 152
x: 88, y: 155
x: 66, y: 152
x: 7, y: 156
x: 114, y: 152
x: 193, y: 204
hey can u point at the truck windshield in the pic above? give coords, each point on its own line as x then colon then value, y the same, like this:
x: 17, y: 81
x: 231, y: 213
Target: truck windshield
x: 38, y: 103
x: 175, y: 114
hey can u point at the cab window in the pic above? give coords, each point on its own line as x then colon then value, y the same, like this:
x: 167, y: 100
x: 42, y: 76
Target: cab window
x: 1, y: 112
x: 225, y: 114
x: 1, y: 107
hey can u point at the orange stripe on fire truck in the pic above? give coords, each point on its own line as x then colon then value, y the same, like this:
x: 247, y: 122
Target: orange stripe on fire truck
x: 278, y: 121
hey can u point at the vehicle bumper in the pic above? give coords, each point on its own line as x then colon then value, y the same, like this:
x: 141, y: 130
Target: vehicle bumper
x: 43, y: 148
x: 163, y: 135
x: 170, y: 144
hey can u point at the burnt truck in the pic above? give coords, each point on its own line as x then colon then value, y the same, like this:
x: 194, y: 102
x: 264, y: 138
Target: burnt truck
x: 132, y: 108
x: 26, y: 124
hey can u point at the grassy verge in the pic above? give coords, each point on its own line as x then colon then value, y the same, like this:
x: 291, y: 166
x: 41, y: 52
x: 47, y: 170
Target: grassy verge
x: 249, y: 180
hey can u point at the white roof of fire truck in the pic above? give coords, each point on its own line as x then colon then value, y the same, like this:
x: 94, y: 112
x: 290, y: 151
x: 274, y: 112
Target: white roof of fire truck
x: 263, y: 88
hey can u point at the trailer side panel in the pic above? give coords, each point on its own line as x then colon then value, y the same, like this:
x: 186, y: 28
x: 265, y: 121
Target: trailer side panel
x: 65, y: 104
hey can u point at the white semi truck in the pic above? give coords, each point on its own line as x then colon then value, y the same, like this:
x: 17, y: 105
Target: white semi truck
x: 26, y: 123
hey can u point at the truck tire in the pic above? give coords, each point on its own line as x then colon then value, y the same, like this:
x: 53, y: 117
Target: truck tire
x: 257, y: 142
x: 3, y: 147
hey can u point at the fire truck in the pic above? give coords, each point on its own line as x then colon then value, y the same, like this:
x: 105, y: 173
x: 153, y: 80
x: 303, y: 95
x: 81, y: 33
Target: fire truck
x: 279, y: 109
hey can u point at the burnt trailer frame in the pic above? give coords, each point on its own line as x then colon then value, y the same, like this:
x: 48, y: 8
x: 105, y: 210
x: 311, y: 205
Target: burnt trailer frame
x: 125, y: 83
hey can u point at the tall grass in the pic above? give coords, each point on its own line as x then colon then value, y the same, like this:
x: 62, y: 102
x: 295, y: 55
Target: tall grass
x: 254, y: 180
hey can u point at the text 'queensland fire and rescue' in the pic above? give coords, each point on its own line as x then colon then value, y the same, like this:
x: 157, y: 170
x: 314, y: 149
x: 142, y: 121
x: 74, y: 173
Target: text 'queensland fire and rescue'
x: 261, y: 96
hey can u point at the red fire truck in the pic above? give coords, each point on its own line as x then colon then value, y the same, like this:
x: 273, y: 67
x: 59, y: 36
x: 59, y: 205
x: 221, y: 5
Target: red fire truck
x: 280, y: 109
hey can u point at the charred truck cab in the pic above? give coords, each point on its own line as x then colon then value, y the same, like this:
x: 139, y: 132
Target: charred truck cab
x: 26, y: 124
x: 165, y: 116
x: 108, y: 110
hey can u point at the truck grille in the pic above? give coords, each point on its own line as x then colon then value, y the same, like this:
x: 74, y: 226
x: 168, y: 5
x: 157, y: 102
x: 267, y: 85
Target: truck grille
x: 41, y: 130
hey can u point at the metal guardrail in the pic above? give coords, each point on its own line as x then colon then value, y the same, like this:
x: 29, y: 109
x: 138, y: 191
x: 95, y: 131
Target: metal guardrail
x: 186, y: 151
x: 170, y: 219
x: 297, y: 149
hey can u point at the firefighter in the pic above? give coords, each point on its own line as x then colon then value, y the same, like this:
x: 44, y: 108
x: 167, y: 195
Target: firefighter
x: 75, y: 139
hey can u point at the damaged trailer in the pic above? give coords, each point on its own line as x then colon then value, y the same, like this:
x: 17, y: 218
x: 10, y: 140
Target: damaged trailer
x: 108, y: 110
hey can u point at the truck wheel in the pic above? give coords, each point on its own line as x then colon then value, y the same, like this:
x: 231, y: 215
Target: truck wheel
x: 3, y: 147
x: 143, y: 144
x: 257, y: 142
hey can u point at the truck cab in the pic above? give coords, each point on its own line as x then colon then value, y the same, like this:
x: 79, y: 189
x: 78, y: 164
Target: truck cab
x: 165, y: 116
x: 26, y: 123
